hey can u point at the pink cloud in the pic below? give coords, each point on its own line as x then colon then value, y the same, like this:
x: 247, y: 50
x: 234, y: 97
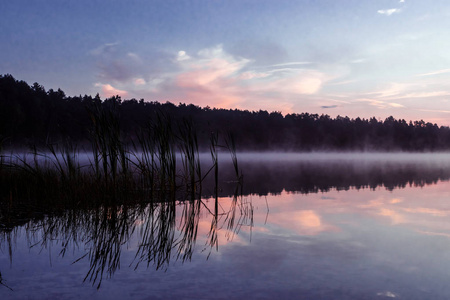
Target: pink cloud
x: 139, y: 81
x: 218, y: 79
x: 108, y: 90
x: 212, y: 77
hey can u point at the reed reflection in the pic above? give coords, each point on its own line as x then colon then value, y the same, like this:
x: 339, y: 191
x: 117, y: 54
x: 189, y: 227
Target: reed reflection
x: 159, y: 232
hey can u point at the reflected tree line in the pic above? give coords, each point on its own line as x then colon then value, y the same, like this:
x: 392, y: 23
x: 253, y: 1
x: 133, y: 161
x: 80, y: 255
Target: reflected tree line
x: 33, y: 115
x: 273, y: 177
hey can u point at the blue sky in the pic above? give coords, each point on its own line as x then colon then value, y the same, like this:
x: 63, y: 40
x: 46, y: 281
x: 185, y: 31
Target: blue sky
x: 344, y: 57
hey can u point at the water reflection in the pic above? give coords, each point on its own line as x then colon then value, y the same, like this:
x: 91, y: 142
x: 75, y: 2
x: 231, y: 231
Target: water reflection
x: 271, y: 238
x: 312, y: 173
x: 164, y: 231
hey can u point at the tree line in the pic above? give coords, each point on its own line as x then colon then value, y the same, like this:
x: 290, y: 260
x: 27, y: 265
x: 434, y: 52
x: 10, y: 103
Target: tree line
x: 32, y: 115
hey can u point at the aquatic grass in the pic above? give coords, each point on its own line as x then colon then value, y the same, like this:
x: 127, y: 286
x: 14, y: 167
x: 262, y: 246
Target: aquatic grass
x: 155, y: 157
x: 111, y: 159
x: 190, y: 156
x: 215, y: 160
x: 231, y: 146
x: 53, y: 179
x: 164, y: 138
x: 2, y: 157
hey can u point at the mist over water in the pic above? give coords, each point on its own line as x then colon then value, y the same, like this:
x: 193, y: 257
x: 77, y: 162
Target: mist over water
x: 274, y: 172
x: 276, y: 156
x: 397, y: 157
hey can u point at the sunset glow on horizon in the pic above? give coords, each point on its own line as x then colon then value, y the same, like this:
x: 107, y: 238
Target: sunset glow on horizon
x: 349, y: 58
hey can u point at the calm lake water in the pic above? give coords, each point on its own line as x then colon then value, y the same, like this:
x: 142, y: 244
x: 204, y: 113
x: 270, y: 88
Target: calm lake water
x: 302, y: 226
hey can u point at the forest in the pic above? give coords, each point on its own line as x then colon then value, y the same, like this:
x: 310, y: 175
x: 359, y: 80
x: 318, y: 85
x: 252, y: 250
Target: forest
x: 30, y: 115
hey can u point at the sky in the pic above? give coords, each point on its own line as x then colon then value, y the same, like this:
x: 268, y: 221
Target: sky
x: 356, y: 58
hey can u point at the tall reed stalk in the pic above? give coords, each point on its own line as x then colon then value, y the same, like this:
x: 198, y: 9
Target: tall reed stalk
x: 190, y: 156
x: 111, y: 160
x: 215, y: 160
x: 2, y: 158
x: 231, y: 146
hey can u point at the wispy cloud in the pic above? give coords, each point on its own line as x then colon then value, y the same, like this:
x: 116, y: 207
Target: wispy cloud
x: 253, y: 75
x: 381, y: 104
x: 435, y: 72
x: 389, y: 12
x: 139, y: 81
x: 394, y: 90
x: 396, y: 105
x: 435, y: 110
x: 426, y: 94
x: 343, y: 82
x: 295, y: 63
x: 105, y: 48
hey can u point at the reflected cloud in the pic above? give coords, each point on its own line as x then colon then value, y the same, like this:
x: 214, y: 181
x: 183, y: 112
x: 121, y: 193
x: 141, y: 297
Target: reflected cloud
x: 303, y: 222
x: 387, y: 293
x: 434, y: 233
x: 396, y: 200
x: 430, y: 211
x: 393, y: 215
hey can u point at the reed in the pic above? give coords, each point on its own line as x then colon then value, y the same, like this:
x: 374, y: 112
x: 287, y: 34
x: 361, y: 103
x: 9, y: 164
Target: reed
x: 155, y: 157
x: 164, y: 137
x: 190, y: 157
x: 2, y: 157
x: 54, y: 179
x: 215, y: 160
x: 111, y: 161
x: 231, y: 146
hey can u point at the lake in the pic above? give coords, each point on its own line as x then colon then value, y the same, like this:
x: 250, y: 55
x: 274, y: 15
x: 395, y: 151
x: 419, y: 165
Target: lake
x: 301, y: 226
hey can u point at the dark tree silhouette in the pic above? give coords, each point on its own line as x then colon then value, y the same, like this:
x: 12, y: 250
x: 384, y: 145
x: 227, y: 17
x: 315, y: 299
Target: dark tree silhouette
x: 30, y: 115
